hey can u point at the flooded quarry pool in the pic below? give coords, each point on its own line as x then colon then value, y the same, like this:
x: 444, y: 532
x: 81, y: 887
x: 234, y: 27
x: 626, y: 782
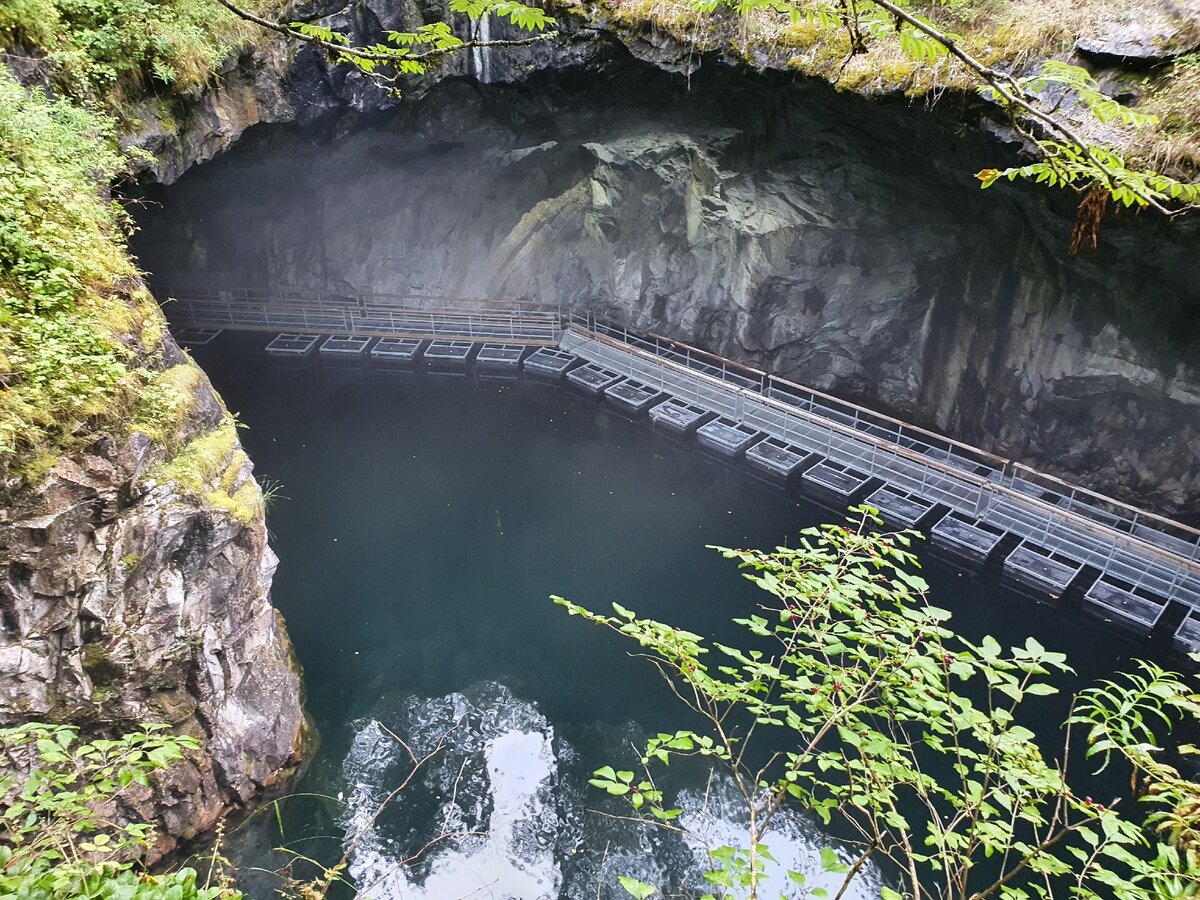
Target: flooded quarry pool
x: 422, y: 521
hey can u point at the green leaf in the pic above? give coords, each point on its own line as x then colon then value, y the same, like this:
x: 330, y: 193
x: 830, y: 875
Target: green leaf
x: 635, y: 888
x: 831, y: 863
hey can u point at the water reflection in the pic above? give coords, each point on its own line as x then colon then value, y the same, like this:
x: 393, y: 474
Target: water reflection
x: 494, y: 814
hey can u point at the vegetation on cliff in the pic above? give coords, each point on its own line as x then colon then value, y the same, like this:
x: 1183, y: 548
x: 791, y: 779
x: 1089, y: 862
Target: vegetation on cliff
x: 63, y: 832
x: 109, y: 52
x: 81, y: 350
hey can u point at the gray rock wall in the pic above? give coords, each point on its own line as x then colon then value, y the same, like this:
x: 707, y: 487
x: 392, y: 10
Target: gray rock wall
x: 836, y: 241
x: 127, y: 597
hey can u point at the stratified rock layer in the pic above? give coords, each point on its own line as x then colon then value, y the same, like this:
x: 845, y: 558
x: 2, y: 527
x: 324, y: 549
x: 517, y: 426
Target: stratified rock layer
x: 128, y: 598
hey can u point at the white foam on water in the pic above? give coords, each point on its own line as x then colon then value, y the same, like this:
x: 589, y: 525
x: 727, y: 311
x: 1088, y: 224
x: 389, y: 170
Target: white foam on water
x: 503, y: 776
x: 505, y: 789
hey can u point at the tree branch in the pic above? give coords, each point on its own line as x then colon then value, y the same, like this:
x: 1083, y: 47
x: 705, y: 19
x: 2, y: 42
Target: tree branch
x: 374, y: 55
x: 1010, y: 91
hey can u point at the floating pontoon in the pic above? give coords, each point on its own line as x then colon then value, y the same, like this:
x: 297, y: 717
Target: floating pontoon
x: 397, y: 351
x: 967, y: 537
x: 727, y: 437
x: 450, y: 355
x: 631, y: 397
x: 1040, y: 568
x: 292, y: 344
x: 779, y: 460
x: 592, y: 379
x: 550, y: 363
x: 678, y: 417
x: 1122, y: 603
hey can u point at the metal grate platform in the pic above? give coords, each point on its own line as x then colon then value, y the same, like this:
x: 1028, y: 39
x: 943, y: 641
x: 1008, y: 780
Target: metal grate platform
x: 727, y: 437
x: 592, y: 379
x: 971, y: 539
x: 344, y: 346
x: 398, y: 351
x: 1123, y: 604
x: 678, y: 417
x: 1187, y: 635
x: 449, y: 355
x: 550, y: 363
x: 836, y: 482
x: 630, y: 397
x: 292, y: 345
x: 1041, y: 569
x: 780, y: 460
x: 196, y: 337
x: 500, y: 358
x: 901, y: 509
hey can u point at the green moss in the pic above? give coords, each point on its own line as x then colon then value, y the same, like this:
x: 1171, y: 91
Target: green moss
x: 104, y: 694
x: 93, y: 655
x: 100, y: 667
x: 130, y: 560
x: 165, y: 400
x: 214, y: 467
x: 60, y: 253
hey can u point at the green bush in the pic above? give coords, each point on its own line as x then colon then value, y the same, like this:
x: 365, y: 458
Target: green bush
x: 58, y: 836
x: 104, y: 49
x: 61, y: 258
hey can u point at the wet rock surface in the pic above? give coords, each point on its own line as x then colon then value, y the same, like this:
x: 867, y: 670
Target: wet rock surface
x: 127, y: 599
x: 829, y: 239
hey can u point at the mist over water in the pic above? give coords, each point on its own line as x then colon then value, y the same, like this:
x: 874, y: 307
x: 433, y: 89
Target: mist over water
x: 422, y: 521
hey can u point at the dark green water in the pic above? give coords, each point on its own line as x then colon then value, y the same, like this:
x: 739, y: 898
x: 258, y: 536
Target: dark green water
x: 421, y: 523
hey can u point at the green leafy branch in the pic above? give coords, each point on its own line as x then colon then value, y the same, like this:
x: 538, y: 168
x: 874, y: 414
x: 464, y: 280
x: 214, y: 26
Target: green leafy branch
x: 62, y: 830
x: 869, y: 692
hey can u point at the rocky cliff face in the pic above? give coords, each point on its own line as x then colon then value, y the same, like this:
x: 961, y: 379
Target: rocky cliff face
x: 836, y: 241
x: 134, y: 587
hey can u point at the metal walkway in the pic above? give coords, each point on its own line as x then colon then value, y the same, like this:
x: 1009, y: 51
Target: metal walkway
x: 1128, y: 561
x: 382, y: 315
x: 1141, y: 549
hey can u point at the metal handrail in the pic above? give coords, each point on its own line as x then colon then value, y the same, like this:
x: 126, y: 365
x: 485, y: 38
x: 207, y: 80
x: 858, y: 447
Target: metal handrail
x: 538, y: 321
x: 300, y: 295
x: 1068, y: 527
x: 1001, y: 467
